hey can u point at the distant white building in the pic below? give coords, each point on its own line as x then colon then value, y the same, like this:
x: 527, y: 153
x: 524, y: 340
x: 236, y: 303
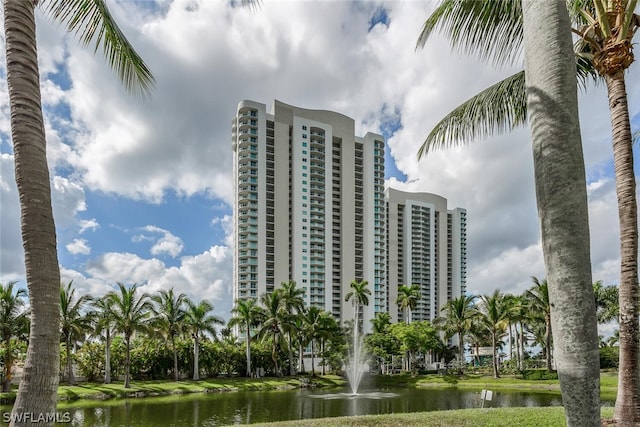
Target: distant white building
x: 308, y: 206
x: 426, y: 246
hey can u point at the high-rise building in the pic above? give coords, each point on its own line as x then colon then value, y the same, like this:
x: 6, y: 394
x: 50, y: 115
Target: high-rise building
x: 427, y: 247
x: 308, y: 206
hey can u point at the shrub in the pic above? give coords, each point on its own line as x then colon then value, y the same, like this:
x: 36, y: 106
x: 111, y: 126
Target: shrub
x: 539, y: 374
x: 609, y: 357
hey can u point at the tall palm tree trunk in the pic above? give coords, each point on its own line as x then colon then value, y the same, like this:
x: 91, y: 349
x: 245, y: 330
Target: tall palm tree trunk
x: 522, y: 339
x: 175, y: 358
x: 127, y: 362
x: 196, y: 357
x: 547, y: 340
x: 313, y: 364
x: 70, y: 377
x: 552, y: 105
x: 39, y: 385
x: 494, y: 343
x: 461, y: 361
x: 107, y: 358
x: 8, y: 364
x: 248, y: 350
x: 627, y: 408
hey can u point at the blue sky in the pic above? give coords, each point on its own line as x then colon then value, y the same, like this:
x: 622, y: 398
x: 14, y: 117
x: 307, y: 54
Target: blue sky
x: 142, y: 188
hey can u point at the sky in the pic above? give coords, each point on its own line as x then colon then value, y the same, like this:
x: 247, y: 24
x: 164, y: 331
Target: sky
x: 142, y: 188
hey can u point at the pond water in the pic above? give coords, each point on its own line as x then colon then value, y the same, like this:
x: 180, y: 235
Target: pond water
x: 214, y: 409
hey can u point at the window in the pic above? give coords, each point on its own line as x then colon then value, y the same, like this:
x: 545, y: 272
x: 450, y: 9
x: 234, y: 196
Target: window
x: 304, y: 152
x: 304, y: 127
x: 304, y: 174
x: 304, y: 144
x: 304, y: 136
x: 304, y: 159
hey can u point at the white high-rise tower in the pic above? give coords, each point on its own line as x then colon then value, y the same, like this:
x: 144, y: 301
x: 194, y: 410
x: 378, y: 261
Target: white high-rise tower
x: 427, y: 247
x: 308, y: 206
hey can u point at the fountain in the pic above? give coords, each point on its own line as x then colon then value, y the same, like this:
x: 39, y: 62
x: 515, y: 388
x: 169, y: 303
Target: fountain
x: 355, y: 365
x: 355, y: 368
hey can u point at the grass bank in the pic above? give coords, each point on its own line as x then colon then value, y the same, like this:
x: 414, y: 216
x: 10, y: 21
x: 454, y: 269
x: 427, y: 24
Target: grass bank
x: 99, y: 391
x: 493, y: 417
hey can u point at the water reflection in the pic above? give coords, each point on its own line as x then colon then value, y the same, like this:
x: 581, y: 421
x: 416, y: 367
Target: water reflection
x: 258, y: 406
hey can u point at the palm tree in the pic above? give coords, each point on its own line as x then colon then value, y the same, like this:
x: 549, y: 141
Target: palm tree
x: 198, y: 321
x: 408, y: 297
x: 312, y: 324
x: 360, y: 294
x: 74, y: 323
x: 169, y: 310
x: 538, y: 299
x: 93, y: 23
x: 328, y: 327
x: 518, y: 314
x: 246, y: 314
x: 606, y: 32
x: 104, y: 322
x: 380, y: 322
x: 131, y: 314
x: 12, y: 317
x: 458, y: 316
x: 293, y: 298
x: 552, y: 104
x: 274, y: 324
x: 495, y: 29
x: 607, y: 302
x: 494, y: 317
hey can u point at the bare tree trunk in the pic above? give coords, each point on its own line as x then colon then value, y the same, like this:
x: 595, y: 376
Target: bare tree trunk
x: 38, y: 388
x: 627, y: 409
x: 552, y: 105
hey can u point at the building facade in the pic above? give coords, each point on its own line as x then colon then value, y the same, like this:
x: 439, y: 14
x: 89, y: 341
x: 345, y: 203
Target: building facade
x: 308, y: 206
x: 427, y: 247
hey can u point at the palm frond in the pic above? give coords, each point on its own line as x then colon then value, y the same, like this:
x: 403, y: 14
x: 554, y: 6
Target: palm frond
x: 92, y: 21
x: 499, y: 108
x: 490, y: 29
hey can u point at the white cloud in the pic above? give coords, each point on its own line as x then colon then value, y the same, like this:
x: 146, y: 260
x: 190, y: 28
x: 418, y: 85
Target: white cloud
x: 88, y: 224
x: 206, y: 57
x: 167, y: 243
x: 203, y: 276
x: 78, y: 246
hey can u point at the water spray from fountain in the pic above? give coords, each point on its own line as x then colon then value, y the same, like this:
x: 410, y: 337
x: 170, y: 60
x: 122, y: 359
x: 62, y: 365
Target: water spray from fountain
x: 355, y: 366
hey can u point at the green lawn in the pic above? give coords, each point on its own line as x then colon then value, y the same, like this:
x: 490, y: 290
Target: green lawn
x: 490, y: 417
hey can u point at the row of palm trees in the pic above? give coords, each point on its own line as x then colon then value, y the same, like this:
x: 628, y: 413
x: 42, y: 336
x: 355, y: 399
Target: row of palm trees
x: 489, y: 318
x: 281, y: 321
x: 124, y: 311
